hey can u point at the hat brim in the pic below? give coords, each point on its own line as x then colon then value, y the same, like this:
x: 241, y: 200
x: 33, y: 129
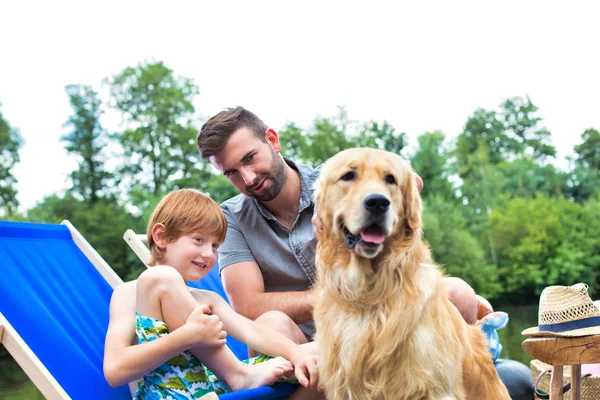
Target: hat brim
x: 535, y: 332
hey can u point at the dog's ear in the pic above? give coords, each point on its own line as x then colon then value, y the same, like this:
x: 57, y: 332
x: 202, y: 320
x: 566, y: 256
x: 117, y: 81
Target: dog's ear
x: 412, y: 203
x: 316, y: 220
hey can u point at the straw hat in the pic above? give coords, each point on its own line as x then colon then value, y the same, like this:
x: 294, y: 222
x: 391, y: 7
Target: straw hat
x: 566, y: 311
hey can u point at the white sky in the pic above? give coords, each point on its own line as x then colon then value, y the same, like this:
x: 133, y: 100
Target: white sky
x: 420, y: 65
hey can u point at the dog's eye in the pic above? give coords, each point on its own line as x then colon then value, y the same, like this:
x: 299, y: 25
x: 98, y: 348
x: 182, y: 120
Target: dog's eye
x: 389, y: 178
x: 348, y: 176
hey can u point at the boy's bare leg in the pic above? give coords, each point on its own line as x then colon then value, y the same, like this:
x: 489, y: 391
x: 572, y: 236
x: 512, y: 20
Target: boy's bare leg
x: 163, y: 295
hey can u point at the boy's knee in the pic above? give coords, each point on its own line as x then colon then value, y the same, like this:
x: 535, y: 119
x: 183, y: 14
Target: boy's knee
x: 462, y: 295
x: 274, y: 318
x: 158, y: 278
x: 282, y: 323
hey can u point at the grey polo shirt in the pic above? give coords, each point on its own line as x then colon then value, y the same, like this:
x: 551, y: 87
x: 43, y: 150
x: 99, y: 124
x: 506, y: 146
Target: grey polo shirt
x: 286, y: 257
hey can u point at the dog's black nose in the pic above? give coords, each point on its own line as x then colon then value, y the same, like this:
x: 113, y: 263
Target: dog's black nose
x: 377, y: 203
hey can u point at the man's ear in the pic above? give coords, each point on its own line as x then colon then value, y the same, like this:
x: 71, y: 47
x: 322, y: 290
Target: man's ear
x: 412, y: 203
x: 272, y: 139
x: 158, y: 235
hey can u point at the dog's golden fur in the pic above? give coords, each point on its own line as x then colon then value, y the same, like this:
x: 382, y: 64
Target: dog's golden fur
x: 385, y: 326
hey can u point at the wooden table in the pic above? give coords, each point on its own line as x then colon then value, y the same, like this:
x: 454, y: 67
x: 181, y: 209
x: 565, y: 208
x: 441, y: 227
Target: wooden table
x: 564, y: 351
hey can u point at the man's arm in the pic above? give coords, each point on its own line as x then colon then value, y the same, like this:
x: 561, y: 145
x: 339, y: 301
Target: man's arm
x: 245, y: 288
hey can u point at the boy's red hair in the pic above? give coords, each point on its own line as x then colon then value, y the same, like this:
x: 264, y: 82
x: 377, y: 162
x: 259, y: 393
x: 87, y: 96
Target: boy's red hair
x: 182, y: 212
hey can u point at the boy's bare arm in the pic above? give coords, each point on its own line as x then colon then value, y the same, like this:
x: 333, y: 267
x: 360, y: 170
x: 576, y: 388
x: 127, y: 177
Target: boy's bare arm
x: 254, y: 334
x: 126, y: 361
x: 245, y: 288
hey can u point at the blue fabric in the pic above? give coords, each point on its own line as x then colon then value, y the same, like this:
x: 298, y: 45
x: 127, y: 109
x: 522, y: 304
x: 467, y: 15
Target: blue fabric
x: 489, y: 328
x: 58, y: 303
x: 570, y: 325
x: 212, y: 282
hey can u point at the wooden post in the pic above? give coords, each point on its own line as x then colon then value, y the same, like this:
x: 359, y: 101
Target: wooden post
x: 556, y: 383
x: 576, y: 382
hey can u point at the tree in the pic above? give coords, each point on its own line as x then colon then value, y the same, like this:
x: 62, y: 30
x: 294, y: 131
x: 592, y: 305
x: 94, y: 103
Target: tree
x: 10, y: 143
x: 521, y: 124
x: 383, y: 137
x: 589, y: 150
x: 101, y: 223
x: 526, y: 177
x: 86, y: 139
x: 545, y: 241
x: 326, y: 137
x: 159, y: 144
x: 455, y: 248
x: 431, y: 161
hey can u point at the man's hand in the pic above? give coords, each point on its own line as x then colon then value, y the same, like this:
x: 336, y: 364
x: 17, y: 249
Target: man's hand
x: 205, y: 329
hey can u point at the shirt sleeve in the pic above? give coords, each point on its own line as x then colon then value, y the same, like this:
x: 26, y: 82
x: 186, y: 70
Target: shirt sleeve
x: 235, y: 248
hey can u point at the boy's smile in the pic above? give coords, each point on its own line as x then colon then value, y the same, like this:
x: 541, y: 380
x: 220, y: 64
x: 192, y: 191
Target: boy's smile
x: 192, y: 255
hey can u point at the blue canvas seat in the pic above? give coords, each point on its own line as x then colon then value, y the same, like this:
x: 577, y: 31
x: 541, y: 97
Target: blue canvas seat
x: 54, y: 301
x: 54, y: 310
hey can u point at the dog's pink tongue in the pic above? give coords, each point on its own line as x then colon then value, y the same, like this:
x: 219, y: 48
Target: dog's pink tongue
x: 372, y: 236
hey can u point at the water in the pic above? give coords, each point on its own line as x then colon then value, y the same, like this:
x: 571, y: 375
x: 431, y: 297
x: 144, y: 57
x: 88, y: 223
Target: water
x: 520, y: 318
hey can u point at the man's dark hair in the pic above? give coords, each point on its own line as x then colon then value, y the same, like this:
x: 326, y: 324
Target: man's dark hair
x: 217, y: 130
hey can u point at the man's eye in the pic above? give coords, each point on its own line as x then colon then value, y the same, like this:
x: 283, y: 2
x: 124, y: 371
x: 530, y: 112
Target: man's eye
x: 348, y: 176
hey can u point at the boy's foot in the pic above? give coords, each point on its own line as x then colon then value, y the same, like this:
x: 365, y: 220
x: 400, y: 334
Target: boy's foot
x: 261, y: 374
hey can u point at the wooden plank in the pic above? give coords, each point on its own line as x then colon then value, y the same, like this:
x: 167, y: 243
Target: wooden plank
x: 137, y: 245
x: 556, y: 383
x: 105, y: 270
x: 564, y: 350
x: 30, y: 363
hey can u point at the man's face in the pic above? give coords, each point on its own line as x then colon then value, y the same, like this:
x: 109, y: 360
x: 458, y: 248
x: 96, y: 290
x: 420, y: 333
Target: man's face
x: 254, y: 167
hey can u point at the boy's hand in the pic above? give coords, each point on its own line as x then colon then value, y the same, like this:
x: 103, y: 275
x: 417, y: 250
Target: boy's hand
x: 307, y: 371
x: 205, y: 329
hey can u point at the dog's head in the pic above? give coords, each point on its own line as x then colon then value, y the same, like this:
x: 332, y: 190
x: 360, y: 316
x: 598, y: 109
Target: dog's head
x: 365, y: 197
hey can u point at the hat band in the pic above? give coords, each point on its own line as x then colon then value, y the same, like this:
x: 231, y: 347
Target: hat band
x: 571, y: 325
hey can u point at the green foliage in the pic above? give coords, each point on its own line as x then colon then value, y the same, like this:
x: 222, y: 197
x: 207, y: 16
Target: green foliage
x: 545, y: 241
x: 432, y: 163
x: 328, y: 136
x: 521, y: 124
x: 101, y: 223
x: 159, y: 144
x: 10, y: 143
x: 589, y: 150
x: 526, y: 177
x: 455, y: 248
x: 86, y: 140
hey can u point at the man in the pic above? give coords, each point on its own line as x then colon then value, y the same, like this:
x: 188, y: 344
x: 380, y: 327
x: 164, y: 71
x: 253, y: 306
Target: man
x: 267, y: 259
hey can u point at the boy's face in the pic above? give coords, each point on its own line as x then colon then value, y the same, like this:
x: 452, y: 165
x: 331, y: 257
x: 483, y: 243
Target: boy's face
x: 254, y: 167
x: 193, y: 255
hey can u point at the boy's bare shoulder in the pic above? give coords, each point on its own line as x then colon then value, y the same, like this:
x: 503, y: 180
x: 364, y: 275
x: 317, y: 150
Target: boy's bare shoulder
x: 125, y: 289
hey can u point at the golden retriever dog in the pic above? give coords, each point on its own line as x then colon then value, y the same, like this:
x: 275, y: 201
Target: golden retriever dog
x: 385, y: 326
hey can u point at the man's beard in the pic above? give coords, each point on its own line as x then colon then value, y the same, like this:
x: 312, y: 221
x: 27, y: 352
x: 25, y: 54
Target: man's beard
x: 277, y: 179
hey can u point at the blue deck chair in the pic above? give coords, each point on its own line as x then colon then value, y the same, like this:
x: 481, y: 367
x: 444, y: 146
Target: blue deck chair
x: 54, y: 300
x: 212, y: 281
x: 54, y: 296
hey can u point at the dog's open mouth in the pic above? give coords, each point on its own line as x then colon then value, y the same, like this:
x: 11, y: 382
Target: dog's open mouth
x: 371, y: 235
